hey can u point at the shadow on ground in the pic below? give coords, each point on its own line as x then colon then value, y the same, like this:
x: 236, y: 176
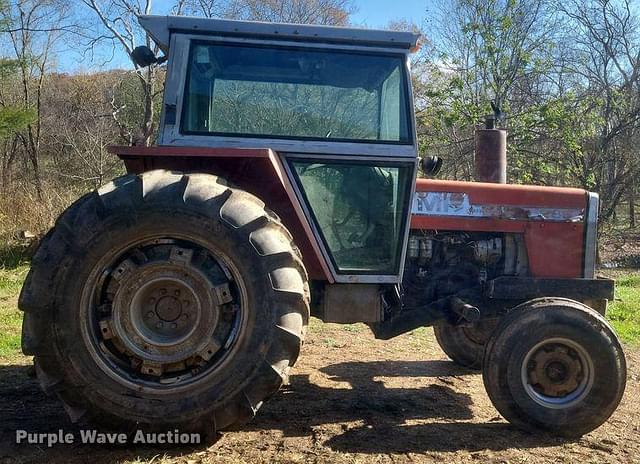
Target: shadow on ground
x: 383, y: 411
x: 379, y: 412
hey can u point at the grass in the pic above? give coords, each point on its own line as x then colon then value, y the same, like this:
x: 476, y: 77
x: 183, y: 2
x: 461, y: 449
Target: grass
x: 624, y: 313
x: 11, y: 278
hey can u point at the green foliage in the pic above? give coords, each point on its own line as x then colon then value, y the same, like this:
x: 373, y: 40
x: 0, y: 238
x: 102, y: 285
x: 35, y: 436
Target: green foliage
x: 13, y: 119
x: 5, y: 15
x: 484, y: 57
x: 8, y: 67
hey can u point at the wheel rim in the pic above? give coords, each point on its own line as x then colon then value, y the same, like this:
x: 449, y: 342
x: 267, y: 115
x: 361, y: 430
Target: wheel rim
x: 164, y: 313
x: 557, y: 373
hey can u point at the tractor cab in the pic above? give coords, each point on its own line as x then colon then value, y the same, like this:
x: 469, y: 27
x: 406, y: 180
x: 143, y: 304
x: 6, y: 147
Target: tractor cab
x: 334, y: 104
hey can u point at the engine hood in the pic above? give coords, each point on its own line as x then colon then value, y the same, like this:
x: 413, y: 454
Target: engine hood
x: 499, y: 201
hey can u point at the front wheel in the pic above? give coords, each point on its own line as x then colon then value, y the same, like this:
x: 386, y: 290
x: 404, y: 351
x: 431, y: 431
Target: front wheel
x: 555, y: 364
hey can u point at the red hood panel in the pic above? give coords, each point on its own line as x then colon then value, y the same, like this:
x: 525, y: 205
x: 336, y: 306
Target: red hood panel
x: 508, y: 194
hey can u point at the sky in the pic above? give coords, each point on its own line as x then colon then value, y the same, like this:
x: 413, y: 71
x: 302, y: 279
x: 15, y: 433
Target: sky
x: 371, y: 13
x: 377, y: 13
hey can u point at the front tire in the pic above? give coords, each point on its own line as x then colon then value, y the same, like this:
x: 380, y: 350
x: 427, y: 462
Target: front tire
x: 556, y: 365
x: 165, y: 301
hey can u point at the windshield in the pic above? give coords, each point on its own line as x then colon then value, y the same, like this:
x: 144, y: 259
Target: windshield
x: 295, y: 93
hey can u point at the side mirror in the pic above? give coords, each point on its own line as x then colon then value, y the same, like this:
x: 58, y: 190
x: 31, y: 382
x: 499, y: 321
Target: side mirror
x: 143, y: 56
x: 431, y: 165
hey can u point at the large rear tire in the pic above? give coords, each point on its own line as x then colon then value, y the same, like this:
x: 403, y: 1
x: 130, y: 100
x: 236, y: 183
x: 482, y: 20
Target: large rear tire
x: 556, y: 365
x: 165, y: 301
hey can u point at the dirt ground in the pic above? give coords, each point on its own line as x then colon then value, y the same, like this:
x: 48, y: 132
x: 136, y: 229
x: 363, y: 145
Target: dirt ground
x: 621, y: 250
x: 351, y: 399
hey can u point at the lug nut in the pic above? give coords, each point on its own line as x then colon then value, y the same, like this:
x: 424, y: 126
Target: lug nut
x: 163, y: 291
x: 185, y: 316
x: 177, y: 293
x: 150, y: 315
x: 152, y: 300
x: 159, y: 325
x: 174, y: 326
x: 186, y: 302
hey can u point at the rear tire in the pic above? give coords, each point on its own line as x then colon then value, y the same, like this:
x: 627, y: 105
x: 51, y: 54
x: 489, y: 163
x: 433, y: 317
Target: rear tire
x: 556, y: 365
x: 464, y: 345
x: 165, y: 301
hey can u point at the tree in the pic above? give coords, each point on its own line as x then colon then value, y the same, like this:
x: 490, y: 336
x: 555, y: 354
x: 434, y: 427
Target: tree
x: 12, y: 118
x: 486, y: 50
x: 567, y: 73
x: 118, y: 20
x: 606, y: 64
x: 329, y: 12
x: 78, y: 142
x: 32, y: 27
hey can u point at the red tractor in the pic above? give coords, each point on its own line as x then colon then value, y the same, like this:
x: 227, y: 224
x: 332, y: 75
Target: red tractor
x: 283, y: 186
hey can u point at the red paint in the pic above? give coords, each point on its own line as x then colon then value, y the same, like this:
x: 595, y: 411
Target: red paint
x: 255, y: 170
x: 467, y: 224
x: 555, y: 249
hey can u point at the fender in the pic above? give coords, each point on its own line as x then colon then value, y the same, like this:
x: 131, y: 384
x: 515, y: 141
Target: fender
x: 257, y: 171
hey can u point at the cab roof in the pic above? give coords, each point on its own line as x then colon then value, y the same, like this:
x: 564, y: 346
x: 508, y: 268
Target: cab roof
x: 160, y: 29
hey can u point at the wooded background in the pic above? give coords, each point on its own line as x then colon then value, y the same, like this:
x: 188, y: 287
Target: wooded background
x: 566, y: 73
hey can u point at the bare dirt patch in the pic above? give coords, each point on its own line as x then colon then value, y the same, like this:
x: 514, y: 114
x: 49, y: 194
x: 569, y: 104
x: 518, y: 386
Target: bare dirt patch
x: 350, y: 399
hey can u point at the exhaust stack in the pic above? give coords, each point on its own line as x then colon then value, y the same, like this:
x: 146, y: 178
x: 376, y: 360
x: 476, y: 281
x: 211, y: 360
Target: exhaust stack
x: 491, y: 151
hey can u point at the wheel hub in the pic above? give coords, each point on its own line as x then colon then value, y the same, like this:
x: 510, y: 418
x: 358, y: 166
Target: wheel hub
x: 161, y: 306
x: 557, y: 373
x: 168, y: 308
x: 171, y: 312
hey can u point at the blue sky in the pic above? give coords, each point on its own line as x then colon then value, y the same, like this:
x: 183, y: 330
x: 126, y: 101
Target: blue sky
x: 371, y: 13
x: 374, y: 13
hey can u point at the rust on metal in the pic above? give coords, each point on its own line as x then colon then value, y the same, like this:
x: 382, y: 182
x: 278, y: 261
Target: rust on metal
x: 491, y: 156
x: 457, y: 204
